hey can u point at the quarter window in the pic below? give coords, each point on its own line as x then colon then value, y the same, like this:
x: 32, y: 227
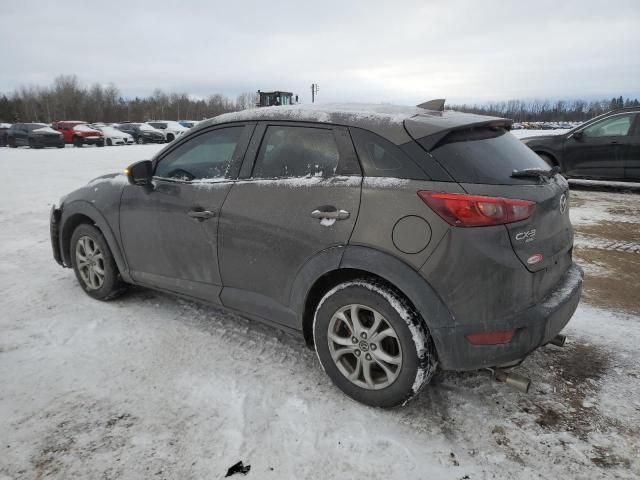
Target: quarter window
x: 617, y: 126
x: 296, y: 152
x: 207, y: 156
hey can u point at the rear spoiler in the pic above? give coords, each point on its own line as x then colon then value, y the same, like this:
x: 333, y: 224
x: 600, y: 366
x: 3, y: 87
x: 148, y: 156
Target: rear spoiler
x: 430, y: 130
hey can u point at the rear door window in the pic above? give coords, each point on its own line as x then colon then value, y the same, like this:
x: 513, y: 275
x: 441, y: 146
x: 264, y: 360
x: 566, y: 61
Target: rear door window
x: 485, y: 155
x: 292, y: 151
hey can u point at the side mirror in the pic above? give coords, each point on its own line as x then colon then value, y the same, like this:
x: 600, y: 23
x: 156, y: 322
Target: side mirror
x: 578, y: 135
x: 140, y: 173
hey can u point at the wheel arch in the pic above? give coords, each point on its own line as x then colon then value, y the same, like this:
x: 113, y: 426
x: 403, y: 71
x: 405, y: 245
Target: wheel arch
x: 78, y: 213
x: 358, y: 262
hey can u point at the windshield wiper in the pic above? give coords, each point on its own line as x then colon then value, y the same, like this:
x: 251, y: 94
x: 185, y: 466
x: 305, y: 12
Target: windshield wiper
x: 535, y: 172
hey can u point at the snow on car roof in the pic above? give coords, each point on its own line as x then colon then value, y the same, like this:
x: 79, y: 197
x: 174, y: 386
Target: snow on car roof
x: 385, y: 119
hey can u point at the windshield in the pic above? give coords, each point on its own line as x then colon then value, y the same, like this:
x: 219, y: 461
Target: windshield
x: 83, y: 128
x: 148, y: 128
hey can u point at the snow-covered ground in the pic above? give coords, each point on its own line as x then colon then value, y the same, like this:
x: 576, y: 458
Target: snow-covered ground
x: 153, y: 386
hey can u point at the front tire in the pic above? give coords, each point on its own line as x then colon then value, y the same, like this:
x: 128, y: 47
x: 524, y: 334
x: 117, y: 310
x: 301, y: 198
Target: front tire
x: 109, y: 142
x: 94, y: 265
x: 372, y: 343
x: 139, y: 141
x: 78, y: 142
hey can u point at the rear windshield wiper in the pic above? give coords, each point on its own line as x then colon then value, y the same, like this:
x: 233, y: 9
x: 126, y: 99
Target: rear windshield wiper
x: 535, y: 172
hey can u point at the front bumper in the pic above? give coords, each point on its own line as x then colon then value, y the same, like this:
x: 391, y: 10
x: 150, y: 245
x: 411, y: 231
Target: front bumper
x: 54, y: 230
x: 93, y: 140
x: 534, y: 327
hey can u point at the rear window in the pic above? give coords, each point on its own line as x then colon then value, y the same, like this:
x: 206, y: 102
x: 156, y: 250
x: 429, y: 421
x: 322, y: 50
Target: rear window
x: 485, y: 155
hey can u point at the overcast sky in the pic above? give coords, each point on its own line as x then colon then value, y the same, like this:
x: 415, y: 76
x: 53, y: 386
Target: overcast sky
x: 378, y: 51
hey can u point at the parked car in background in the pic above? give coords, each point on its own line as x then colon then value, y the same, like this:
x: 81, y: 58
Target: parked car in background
x: 395, y: 240
x: 79, y: 133
x: 171, y: 129
x: 605, y: 147
x: 113, y: 136
x: 142, y: 133
x: 34, y: 135
x: 188, y: 123
x: 4, y: 128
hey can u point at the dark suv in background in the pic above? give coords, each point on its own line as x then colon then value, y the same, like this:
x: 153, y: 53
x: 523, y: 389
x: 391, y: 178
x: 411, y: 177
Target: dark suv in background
x: 142, y: 133
x: 605, y: 147
x: 395, y: 239
x: 34, y: 135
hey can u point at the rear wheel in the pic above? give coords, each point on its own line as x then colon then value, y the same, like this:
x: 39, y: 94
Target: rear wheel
x: 94, y: 265
x: 109, y: 142
x: 170, y: 137
x: 31, y: 143
x: 12, y: 142
x: 372, y: 344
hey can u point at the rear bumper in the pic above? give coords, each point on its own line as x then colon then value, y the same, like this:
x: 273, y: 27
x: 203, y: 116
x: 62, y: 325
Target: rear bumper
x: 54, y: 230
x: 534, y: 327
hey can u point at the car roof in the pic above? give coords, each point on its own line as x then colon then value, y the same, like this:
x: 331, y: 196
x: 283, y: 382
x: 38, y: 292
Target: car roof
x: 393, y: 122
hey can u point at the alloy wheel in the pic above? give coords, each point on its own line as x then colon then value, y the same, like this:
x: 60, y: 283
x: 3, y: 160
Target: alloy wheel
x: 90, y: 261
x: 364, y: 347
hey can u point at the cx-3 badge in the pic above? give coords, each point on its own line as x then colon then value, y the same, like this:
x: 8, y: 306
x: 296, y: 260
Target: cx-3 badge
x: 563, y: 203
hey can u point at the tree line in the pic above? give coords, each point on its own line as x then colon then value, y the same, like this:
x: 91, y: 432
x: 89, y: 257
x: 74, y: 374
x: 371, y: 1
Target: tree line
x: 67, y: 99
x: 546, y: 111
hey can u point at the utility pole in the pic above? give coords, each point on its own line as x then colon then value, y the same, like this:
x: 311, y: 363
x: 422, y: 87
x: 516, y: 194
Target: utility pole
x: 314, y: 91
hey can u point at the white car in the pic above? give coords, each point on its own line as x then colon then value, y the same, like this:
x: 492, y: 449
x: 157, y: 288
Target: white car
x: 170, y: 128
x: 113, y: 136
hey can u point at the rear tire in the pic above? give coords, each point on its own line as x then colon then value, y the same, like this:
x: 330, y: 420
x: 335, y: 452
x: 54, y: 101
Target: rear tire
x: 12, y: 143
x: 386, y: 356
x: 94, y: 265
x: 109, y: 142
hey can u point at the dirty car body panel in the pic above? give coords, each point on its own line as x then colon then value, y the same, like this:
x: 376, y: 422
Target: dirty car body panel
x: 263, y: 249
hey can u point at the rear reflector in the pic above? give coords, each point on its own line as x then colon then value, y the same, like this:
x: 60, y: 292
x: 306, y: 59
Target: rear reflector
x: 462, y: 210
x: 490, y: 338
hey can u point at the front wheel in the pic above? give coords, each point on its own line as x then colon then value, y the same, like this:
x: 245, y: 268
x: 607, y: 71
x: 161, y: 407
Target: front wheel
x: 372, y: 344
x: 109, y: 142
x: 139, y: 141
x: 78, y: 142
x: 93, y: 264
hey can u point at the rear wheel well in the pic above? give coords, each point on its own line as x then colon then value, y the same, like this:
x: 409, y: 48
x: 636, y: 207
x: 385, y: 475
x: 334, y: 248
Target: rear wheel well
x: 67, y: 231
x: 325, y: 283
x: 547, y: 157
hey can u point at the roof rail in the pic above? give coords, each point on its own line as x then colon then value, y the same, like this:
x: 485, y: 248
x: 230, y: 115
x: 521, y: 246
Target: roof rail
x: 437, y: 105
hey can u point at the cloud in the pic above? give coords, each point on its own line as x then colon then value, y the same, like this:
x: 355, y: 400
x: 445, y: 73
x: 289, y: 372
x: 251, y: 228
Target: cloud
x: 403, y: 51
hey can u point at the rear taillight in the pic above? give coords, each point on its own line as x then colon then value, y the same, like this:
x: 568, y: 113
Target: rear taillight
x: 462, y: 210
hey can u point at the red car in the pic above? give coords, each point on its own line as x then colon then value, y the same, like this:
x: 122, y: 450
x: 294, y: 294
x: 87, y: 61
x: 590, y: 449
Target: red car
x: 79, y: 133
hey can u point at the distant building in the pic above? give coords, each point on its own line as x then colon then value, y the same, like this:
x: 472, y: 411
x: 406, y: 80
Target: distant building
x: 269, y: 99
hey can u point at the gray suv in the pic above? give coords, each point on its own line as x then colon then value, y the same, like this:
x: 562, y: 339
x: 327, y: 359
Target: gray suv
x: 397, y: 240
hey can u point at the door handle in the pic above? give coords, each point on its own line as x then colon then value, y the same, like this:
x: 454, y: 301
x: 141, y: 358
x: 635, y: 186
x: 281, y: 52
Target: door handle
x: 201, y: 215
x: 332, y: 215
